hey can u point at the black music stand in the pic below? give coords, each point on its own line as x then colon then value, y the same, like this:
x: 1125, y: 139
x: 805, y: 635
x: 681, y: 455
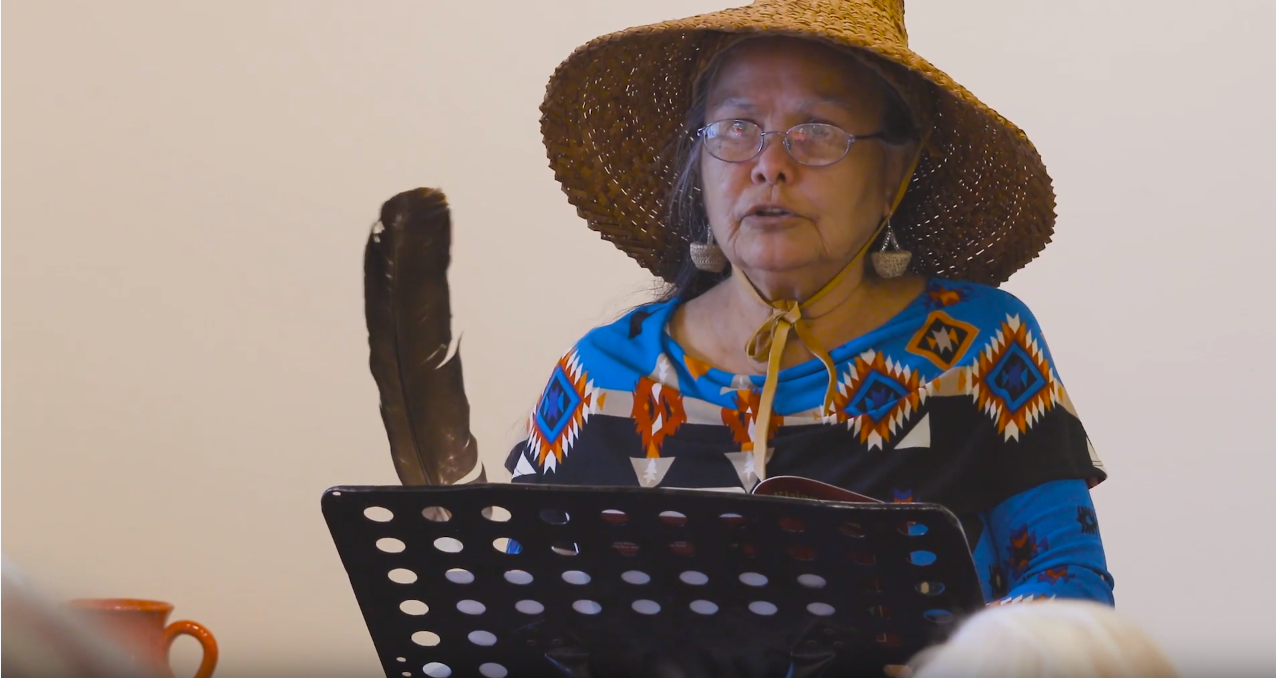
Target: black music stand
x: 543, y: 580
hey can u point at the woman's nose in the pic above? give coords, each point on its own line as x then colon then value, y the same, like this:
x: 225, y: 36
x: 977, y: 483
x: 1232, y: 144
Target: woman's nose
x: 774, y: 164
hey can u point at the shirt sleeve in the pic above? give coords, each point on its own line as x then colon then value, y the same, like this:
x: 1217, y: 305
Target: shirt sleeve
x: 1047, y: 544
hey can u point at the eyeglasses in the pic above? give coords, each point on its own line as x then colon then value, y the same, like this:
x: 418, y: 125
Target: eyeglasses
x: 813, y: 144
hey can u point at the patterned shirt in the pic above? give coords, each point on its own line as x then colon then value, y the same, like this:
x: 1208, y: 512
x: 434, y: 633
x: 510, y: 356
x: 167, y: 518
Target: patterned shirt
x: 954, y: 401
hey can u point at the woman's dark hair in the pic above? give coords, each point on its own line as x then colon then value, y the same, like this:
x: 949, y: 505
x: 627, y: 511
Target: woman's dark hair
x: 686, y: 216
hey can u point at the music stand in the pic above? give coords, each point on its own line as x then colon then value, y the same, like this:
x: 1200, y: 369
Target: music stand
x: 607, y: 581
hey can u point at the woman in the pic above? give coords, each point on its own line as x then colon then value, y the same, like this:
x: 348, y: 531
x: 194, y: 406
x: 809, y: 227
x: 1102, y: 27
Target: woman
x: 771, y: 162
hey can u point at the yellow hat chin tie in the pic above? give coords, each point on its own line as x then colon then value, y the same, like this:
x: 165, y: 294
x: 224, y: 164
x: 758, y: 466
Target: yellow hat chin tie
x: 767, y: 343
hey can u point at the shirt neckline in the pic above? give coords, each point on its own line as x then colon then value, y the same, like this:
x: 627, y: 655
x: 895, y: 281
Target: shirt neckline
x: 840, y: 354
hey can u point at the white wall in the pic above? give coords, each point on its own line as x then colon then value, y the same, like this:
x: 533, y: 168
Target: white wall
x: 190, y: 185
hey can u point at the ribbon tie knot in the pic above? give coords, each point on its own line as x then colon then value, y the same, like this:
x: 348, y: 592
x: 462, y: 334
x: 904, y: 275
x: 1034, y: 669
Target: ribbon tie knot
x: 786, y: 314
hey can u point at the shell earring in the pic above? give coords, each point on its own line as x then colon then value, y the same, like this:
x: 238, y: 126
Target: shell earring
x: 707, y: 256
x: 891, y: 263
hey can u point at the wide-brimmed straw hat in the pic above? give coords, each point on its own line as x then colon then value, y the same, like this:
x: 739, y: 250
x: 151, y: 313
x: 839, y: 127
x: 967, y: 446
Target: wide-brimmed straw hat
x: 980, y: 205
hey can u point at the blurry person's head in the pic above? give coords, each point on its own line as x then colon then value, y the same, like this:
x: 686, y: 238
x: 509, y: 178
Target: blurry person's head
x: 1054, y: 639
x: 47, y: 640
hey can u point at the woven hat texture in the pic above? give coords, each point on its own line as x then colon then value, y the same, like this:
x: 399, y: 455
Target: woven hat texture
x: 979, y: 207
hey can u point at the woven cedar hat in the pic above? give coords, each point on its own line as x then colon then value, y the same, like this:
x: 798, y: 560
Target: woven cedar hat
x: 980, y: 205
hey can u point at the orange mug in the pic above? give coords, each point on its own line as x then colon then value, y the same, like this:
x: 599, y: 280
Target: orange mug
x: 138, y: 626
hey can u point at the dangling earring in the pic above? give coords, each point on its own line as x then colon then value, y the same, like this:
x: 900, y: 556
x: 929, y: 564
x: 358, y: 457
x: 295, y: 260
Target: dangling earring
x: 707, y: 256
x: 894, y: 262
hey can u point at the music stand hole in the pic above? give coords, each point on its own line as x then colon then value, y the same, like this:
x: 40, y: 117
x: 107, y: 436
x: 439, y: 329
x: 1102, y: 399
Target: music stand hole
x: 673, y: 518
x: 732, y: 519
x: 889, y: 640
x: 529, y: 607
x: 852, y: 530
x: 913, y: 529
x: 862, y: 557
x: 436, y: 514
x: 576, y: 577
x: 518, y: 577
x: 482, y: 638
x: 470, y: 607
x: 425, y: 638
x: 588, y: 607
x: 551, y: 516
x: 627, y: 549
x: 493, y: 670
x: 922, y: 558
x: 812, y: 581
x: 753, y: 579
x: 448, y: 544
x: 790, y: 524
x: 763, y: 608
x: 801, y: 552
x: 506, y: 545
x: 415, y: 608
x: 647, y: 607
x: 436, y: 670
x: 400, y: 575
x: 497, y: 514
x: 929, y: 588
x: 635, y: 577
x: 820, y: 609
x: 565, y: 548
x: 390, y: 545
x: 458, y: 575
x: 941, y: 617
x: 693, y: 578
x: 378, y: 514
x: 704, y: 607
x: 615, y: 517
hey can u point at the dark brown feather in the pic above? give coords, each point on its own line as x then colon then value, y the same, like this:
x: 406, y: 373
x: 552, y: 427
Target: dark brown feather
x: 423, y: 404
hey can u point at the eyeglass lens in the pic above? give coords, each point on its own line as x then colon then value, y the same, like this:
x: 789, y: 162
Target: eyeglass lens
x: 810, y: 144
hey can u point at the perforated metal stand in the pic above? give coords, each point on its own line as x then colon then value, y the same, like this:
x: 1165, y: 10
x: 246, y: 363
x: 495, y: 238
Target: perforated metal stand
x: 636, y: 582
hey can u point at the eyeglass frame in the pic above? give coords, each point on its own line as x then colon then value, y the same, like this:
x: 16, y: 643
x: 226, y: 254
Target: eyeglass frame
x: 788, y: 147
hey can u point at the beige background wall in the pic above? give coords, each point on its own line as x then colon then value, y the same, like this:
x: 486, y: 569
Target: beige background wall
x: 190, y: 184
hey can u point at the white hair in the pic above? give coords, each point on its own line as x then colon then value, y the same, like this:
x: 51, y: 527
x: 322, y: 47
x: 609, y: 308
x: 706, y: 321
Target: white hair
x: 1048, y: 639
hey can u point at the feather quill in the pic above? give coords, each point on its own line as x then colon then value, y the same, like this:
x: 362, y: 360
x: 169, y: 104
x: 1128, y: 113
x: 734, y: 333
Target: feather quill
x: 406, y: 302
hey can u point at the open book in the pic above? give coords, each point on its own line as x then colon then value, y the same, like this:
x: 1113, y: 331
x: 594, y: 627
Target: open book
x: 805, y: 488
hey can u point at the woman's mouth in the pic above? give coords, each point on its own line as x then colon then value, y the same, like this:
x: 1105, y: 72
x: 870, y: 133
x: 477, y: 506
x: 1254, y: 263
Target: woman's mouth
x: 770, y: 211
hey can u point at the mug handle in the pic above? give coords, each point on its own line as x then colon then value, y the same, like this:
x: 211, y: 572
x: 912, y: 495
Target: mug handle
x: 205, y: 639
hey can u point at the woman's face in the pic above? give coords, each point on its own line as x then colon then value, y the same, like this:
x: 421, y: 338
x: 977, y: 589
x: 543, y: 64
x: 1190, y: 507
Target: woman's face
x: 813, y: 220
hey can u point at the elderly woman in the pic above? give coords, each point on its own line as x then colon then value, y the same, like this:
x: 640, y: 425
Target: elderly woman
x: 776, y: 164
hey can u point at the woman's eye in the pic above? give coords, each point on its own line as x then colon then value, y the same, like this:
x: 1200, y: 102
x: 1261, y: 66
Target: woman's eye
x: 817, y: 132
